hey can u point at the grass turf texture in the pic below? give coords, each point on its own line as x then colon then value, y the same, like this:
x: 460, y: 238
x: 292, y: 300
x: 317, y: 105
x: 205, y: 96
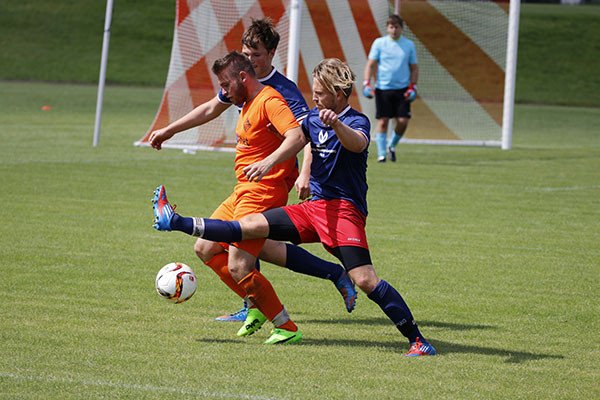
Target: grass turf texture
x: 495, y: 251
x: 62, y: 41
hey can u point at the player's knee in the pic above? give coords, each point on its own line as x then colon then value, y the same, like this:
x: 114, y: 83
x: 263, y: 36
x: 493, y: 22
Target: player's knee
x: 239, y: 270
x: 401, y: 124
x: 254, y: 226
x: 366, y: 285
x: 365, y: 278
x: 382, y: 124
x: 206, y: 250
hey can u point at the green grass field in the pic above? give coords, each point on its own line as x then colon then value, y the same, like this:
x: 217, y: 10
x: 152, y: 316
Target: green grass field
x: 495, y: 251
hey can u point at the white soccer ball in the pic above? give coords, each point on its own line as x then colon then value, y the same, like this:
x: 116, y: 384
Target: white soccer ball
x: 176, y: 282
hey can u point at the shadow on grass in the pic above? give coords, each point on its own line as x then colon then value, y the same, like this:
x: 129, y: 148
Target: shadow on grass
x: 221, y: 341
x: 387, y: 322
x: 442, y: 348
x: 512, y: 356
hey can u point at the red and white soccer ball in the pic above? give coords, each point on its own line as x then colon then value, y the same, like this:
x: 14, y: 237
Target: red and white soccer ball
x: 176, y: 282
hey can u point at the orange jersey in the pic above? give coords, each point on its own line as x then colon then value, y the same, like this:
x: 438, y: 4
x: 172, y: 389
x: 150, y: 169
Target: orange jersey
x: 256, y: 139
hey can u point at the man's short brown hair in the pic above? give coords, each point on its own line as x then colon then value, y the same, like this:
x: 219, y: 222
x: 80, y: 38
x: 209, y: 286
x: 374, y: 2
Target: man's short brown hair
x: 395, y: 20
x: 261, y: 31
x: 238, y: 62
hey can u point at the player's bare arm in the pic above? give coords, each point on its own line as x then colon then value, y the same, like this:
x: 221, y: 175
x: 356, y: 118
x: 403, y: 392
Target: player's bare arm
x: 200, y: 115
x: 351, y: 139
x: 302, y: 182
x: 414, y: 73
x: 370, y: 69
x: 293, y: 141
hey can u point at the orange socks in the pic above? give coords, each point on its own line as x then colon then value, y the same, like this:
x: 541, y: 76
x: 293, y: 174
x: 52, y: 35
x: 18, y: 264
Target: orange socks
x: 219, y: 264
x: 262, y: 295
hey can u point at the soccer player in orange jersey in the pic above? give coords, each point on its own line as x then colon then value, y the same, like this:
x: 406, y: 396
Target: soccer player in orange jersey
x: 264, y: 159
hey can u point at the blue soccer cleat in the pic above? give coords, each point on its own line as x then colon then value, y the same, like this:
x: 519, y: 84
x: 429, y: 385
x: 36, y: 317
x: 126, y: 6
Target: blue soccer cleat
x: 163, y: 212
x: 419, y: 348
x: 239, y: 316
x: 346, y: 288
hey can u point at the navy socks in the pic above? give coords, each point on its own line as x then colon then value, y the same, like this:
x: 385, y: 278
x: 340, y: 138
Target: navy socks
x: 179, y: 223
x: 396, y: 309
x: 300, y: 260
x: 210, y: 229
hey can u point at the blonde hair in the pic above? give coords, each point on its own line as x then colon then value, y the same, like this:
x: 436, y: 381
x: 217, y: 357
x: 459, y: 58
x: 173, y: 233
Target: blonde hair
x: 334, y: 75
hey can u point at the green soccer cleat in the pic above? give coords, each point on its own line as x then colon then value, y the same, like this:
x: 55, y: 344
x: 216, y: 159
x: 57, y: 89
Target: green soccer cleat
x: 254, y: 321
x: 280, y: 336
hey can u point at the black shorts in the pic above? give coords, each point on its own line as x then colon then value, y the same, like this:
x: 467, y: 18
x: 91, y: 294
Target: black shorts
x: 391, y: 104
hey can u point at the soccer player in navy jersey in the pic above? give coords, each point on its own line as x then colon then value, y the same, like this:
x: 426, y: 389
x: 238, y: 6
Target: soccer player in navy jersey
x: 259, y: 43
x: 336, y: 214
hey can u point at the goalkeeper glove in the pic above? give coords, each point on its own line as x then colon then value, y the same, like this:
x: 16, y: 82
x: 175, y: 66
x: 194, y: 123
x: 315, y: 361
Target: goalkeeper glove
x: 411, y: 92
x: 368, y: 90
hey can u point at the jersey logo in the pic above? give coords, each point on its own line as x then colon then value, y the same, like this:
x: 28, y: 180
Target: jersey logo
x: 323, y: 136
x: 243, y: 142
x: 247, y: 125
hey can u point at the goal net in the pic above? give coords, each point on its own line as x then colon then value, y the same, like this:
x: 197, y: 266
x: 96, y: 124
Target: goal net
x: 461, y: 50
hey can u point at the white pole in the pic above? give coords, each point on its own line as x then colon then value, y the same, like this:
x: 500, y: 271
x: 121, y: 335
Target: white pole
x: 102, y: 79
x: 293, y: 56
x: 511, y: 74
x: 397, y: 7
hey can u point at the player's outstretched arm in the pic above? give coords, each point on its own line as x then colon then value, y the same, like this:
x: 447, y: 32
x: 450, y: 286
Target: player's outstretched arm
x: 292, y: 143
x: 200, y: 115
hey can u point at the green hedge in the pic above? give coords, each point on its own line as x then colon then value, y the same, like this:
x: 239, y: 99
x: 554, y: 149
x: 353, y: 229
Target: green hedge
x: 61, y: 40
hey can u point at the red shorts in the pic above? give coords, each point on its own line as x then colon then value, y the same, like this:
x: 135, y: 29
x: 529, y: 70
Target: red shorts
x: 250, y: 198
x: 334, y: 223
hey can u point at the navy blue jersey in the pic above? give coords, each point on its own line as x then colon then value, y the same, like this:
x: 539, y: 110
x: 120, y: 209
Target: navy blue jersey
x: 336, y: 172
x: 286, y: 88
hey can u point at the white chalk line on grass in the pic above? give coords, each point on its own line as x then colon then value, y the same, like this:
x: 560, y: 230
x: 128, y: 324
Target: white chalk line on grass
x: 566, y: 189
x: 150, y: 388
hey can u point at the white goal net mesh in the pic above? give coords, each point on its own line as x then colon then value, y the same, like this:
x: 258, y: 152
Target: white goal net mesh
x: 461, y: 50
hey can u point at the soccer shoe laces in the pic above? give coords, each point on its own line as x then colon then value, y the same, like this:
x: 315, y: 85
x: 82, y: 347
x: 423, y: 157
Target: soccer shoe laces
x: 419, y: 348
x: 163, y: 210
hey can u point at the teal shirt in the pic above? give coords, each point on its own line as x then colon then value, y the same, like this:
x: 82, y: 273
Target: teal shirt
x: 393, y: 58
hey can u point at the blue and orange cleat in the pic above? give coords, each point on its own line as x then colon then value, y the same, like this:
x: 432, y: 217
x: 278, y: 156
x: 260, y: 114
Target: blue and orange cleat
x: 163, y: 212
x: 346, y: 288
x: 419, y: 348
x: 239, y: 316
